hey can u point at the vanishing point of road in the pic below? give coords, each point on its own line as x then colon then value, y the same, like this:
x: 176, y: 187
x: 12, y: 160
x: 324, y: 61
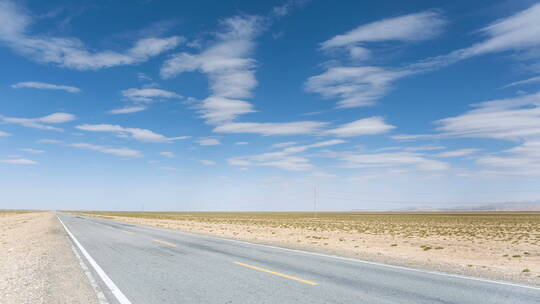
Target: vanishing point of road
x: 140, y: 264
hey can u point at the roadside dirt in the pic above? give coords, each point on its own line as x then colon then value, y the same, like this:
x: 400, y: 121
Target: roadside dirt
x: 37, y: 264
x: 476, y: 256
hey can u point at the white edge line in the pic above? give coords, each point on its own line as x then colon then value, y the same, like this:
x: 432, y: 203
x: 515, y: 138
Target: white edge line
x: 122, y: 299
x: 101, y: 297
x: 345, y: 258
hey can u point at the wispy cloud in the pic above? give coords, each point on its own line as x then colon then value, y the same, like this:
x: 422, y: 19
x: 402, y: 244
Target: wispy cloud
x: 45, y: 86
x: 207, y: 162
x: 18, y: 161
x: 284, y: 144
x: 70, y: 52
x: 148, y: 94
x: 366, y: 126
x: 511, y: 119
x: 457, y: 153
x: 522, y: 82
x: 40, y: 122
x: 425, y: 148
x: 143, y: 135
x: 394, y: 160
x: 127, y: 110
x: 208, y: 141
x: 126, y: 152
x: 33, y: 151
x: 356, y: 86
x: 167, y: 154
x: 523, y: 159
x: 268, y: 128
x: 4, y: 134
x: 515, y: 119
x: 285, y: 159
x: 49, y: 141
x: 228, y: 65
x: 412, y: 27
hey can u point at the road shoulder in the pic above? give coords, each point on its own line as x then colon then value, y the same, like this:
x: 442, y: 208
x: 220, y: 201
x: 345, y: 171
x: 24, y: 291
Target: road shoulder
x: 40, y: 266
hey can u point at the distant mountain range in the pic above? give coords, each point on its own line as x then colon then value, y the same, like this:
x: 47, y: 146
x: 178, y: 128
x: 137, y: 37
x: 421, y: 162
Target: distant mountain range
x: 531, y: 206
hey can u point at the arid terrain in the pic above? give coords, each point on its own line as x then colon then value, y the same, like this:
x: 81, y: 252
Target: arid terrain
x: 497, y: 245
x: 37, y: 264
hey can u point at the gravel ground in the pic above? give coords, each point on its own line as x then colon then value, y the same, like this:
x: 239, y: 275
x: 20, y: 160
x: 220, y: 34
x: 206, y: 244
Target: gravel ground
x: 37, y: 264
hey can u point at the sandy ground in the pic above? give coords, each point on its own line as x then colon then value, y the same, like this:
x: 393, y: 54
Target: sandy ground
x: 37, y: 264
x: 474, y: 256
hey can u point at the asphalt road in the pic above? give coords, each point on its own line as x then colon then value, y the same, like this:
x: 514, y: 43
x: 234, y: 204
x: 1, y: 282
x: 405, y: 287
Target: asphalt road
x: 151, y: 265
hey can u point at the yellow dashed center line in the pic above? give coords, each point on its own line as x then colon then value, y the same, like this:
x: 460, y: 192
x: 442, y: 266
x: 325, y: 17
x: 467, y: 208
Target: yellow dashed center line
x: 128, y: 232
x: 276, y: 273
x: 165, y: 243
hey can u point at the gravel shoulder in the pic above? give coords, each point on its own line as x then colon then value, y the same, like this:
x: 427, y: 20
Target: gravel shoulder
x: 37, y: 264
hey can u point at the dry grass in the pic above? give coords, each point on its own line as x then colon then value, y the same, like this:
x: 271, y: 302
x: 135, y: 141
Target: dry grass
x: 5, y: 212
x: 513, y: 227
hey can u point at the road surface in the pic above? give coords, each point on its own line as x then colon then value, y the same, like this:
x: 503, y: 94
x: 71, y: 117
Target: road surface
x: 140, y: 264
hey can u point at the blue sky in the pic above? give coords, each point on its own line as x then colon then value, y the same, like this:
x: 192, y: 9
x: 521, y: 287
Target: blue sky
x: 250, y: 105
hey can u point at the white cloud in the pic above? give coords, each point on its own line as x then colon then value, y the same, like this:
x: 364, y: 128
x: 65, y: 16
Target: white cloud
x: 394, y: 159
x: 285, y: 159
x: 68, y: 51
x: 515, y: 119
x: 425, y: 148
x: 148, y: 94
x: 519, y: 32
x: 40, y: 122
x: 127, y: 152
x: 521, y: 82
x: 208, y: 142
x: 269, y: 128
x: 4, y: 134
x: 217, y: 110
x: 511, y: 119
x: 241, y: 143
x: 284, y: 144
x: 207, y: 162
x: 33, y: 151
x: 412, y: 137
x: 521, y: 160
x: 168, y: 168
x: 457, y: 153
x: 143, y: 135
x: 167, y: 154
x: 366, y: 126
x: 358, y: 86
x: 227, y: 64
x: 412, y: 27
x: 45, y: 86
x: 127, y: 110
x: 18, y: 161
x: 355, y: 86
x: 50, y: 141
